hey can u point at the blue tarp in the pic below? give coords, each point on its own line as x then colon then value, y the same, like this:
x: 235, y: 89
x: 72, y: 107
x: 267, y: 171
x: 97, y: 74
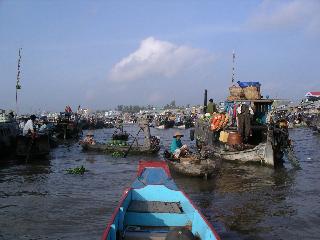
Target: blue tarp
x: 248, y: 84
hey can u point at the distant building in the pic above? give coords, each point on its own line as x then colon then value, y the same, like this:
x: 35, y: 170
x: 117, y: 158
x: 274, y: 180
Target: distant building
x: 313, y: 96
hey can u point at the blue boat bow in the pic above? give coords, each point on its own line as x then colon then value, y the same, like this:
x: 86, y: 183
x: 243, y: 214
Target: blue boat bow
x: 153, y: 207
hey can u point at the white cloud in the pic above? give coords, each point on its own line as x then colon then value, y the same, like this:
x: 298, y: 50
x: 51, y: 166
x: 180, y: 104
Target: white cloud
x: 158, y: 58
x: 300, y: 15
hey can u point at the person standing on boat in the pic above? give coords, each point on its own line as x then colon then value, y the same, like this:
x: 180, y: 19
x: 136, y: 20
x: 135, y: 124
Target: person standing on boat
x: 211, y: 108
x: 176, y: 147
x: 29, y: 126
x: 244, y: 113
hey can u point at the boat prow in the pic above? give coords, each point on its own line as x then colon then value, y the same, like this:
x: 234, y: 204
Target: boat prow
x: 153, y: 208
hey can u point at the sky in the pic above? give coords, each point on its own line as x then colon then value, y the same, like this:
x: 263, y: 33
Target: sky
x: 99, y: 54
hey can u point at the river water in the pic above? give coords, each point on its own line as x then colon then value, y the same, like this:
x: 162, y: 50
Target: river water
x: 39, y: 200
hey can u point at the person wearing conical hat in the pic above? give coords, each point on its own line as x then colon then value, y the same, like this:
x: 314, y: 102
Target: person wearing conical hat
x: 176, y: 147
x: 89, y: 138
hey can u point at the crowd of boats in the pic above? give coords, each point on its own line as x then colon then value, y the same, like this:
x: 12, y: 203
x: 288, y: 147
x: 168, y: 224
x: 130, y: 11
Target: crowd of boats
x: 244, y: 128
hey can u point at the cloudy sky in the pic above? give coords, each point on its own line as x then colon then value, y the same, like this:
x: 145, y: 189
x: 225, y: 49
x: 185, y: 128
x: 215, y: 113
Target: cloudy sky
x: 103, y: 53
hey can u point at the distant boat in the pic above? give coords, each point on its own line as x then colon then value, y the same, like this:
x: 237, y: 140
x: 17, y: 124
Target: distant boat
x: 154, y: 208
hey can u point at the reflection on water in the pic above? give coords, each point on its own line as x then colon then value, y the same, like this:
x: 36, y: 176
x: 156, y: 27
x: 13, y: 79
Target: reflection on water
x: 39, y: 200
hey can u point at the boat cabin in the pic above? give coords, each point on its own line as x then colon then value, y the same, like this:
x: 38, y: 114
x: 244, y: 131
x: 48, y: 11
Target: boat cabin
x: 260, y: 108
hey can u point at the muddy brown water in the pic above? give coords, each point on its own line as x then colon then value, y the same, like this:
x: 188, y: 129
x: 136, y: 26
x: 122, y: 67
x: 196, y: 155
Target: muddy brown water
x: 39, y: 200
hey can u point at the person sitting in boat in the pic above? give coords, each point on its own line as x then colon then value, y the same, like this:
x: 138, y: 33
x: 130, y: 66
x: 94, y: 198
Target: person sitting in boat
x: 89, y: 139
x: 176, y: 147
x: 22, y: 124
x: 43, y: 125
x: 211, y: 108
x: 29, y: 126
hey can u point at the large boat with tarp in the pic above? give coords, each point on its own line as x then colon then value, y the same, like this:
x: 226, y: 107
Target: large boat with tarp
x: 246, y: 130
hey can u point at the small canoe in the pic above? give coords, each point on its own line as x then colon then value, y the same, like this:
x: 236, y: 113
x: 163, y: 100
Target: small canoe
x: 154, y: 208
x: 160, y: 127
x: 192, y: 165
x: 99, y: 147
x: 203, y: 168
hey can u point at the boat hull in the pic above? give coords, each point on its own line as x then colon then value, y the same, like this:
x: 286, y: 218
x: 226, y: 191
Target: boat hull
x: 8, y: 133
x: 205, y: 168
x: 36, y: 147
x: 153, y: 208
x: 111, y: 149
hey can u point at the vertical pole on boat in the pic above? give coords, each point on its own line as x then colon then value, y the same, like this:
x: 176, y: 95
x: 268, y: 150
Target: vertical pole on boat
x: 18, y: 86
x: 233, y: 58
x: 205, y: 101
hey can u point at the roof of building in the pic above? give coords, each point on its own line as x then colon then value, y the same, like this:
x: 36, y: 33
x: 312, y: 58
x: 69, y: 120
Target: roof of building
x: 315, y: 94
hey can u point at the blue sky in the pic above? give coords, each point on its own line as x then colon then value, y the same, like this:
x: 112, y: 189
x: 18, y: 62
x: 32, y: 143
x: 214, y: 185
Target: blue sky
x: 103, y: 53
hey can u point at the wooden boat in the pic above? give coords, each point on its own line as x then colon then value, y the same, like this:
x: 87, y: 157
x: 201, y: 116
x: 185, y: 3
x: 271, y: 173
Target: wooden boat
x: 8, y: 133
x: 160, y: 127
x: 150, y: 145
x: 203, y: 168
x: 269, y: 140
x: 100, y: 147
x: 36, y: 147
x: 192, y: 166
x: 262, y: 153
x: 67, y: 127
x: 154, y: 208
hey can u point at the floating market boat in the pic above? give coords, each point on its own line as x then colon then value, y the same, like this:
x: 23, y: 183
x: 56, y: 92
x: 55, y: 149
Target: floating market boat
x: 118, y: 143
x: 154, y: 208
x: 68, y: 126
x: 8, y: 133
x: 33, y: 147
x: 111, y: 148
x: 266, y: 140
x: 165, y: 124
x: 193, y: 166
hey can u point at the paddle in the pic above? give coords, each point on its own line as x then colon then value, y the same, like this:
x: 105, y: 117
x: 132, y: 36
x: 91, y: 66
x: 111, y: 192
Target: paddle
x: 125, y: 155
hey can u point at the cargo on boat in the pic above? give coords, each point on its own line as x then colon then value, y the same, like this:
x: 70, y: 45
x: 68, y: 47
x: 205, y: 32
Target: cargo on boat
x: 154, y: 208
x: 244, y: 131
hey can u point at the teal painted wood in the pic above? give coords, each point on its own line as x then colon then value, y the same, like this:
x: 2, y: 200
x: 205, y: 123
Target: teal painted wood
x: 156, y: 219
x: 189, y: 216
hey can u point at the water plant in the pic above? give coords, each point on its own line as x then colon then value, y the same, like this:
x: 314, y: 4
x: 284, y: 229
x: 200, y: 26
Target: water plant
x: 77, y: 170
x: 117, y: 154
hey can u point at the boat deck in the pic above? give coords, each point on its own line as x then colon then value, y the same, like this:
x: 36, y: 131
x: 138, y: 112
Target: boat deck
x: 133, y: 232
x: 154, y: 207
x: 145, y: 233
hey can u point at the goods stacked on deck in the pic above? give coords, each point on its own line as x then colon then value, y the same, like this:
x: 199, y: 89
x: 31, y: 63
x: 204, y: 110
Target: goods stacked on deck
x: 121, y: 143
x: 245, y: 91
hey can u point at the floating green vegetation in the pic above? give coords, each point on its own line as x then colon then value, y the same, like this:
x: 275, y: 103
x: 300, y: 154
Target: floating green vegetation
x: 117, y: 154
x: 77, y: 170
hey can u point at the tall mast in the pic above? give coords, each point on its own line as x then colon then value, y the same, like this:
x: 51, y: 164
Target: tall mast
x: 18, y: 86
x: 233, y: 58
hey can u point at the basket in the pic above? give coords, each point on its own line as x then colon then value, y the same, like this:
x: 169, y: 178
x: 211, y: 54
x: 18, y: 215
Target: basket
x: 252, y: 93
x: 236, y: 92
